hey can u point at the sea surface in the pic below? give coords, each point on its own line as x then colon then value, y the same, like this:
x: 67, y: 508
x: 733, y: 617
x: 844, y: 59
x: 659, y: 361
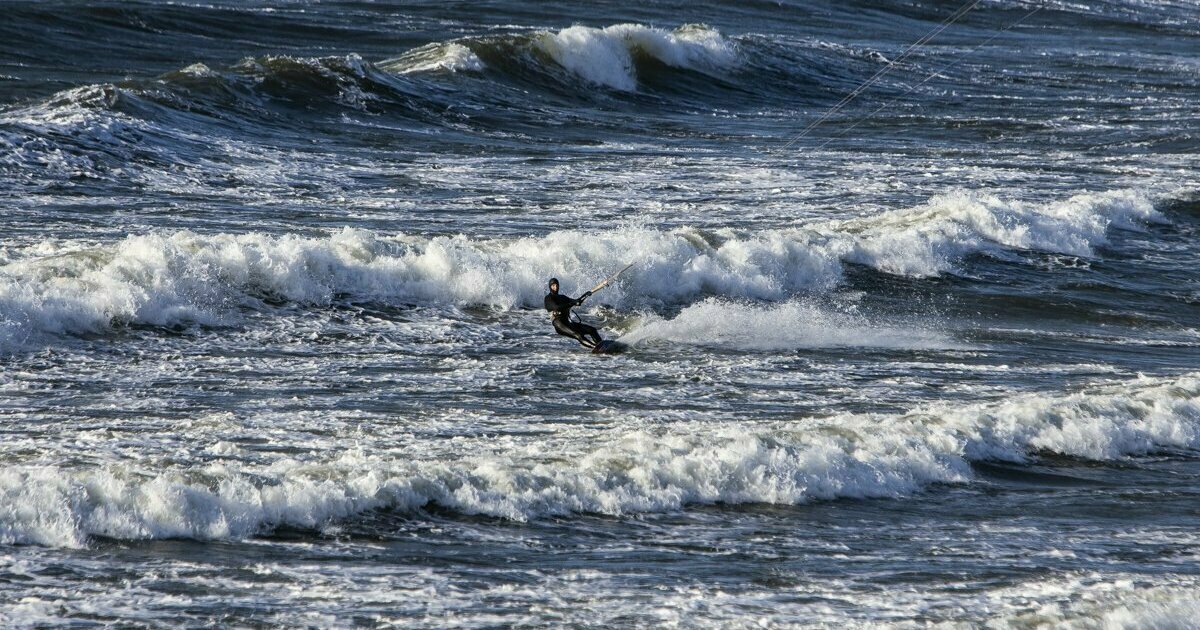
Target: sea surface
x: 272, y: 350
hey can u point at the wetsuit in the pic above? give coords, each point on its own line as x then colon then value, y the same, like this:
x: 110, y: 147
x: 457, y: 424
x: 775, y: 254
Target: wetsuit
x: 560, y: 315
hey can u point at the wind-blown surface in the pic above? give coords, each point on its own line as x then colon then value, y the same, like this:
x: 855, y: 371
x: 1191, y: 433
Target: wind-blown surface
x: 272, y: 349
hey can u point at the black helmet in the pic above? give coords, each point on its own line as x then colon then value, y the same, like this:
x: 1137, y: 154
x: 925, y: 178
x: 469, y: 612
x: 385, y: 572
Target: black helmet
x: 553, y: 281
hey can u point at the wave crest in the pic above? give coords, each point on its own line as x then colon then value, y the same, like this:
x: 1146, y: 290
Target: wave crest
x: 163, y: 279
x: 607, y: 56
x: 629, y: 470
x: 440, y: 57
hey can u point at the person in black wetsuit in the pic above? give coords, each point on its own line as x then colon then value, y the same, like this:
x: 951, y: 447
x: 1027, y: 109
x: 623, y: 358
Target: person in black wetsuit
x: 560, y: 315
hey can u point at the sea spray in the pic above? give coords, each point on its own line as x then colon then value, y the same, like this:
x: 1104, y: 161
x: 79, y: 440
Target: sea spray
x: 784, y: 326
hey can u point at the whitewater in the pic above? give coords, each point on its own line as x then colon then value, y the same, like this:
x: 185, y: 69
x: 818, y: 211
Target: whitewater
x: 273, y: 351
x: 167, y: 279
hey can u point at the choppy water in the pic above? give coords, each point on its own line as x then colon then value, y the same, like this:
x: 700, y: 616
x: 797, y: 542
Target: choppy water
x: 272, y: 351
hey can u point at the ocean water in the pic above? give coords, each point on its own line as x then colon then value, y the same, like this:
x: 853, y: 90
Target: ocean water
x: 272, y: 350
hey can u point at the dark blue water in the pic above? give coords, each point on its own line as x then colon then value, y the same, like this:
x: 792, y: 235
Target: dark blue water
x: 272, y: 349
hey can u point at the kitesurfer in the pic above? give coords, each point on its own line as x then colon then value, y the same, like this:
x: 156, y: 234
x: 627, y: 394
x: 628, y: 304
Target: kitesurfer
x: 560, y: 315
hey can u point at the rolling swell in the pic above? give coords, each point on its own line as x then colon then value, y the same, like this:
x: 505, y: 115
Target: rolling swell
x: 181, y: 277
x: 108, y: 131
x: 559, y: 87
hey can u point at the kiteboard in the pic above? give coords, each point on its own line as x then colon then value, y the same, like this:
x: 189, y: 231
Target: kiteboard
x: 609, y: 346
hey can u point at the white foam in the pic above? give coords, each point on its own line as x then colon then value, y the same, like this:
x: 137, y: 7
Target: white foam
x: 163, y: 279
x: 930, y: 239
x: 627, y: 468
x: 181, y: 277
x: 199, y: 70
x: 792, y: 324
x: 606, y: 56
x: 1165, y: 609
x: 448, y: 57
x: 1112, y: 601
x: 636, y: 472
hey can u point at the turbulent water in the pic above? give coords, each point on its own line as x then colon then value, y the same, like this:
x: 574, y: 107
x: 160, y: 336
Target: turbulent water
x: 272, y: 349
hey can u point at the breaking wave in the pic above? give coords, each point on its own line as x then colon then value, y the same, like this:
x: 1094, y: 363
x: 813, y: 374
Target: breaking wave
x: 607, y: 56
x: 632, y: 470
x: 182, y: 277
x: 448, y: 57
x: 185, y: 127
